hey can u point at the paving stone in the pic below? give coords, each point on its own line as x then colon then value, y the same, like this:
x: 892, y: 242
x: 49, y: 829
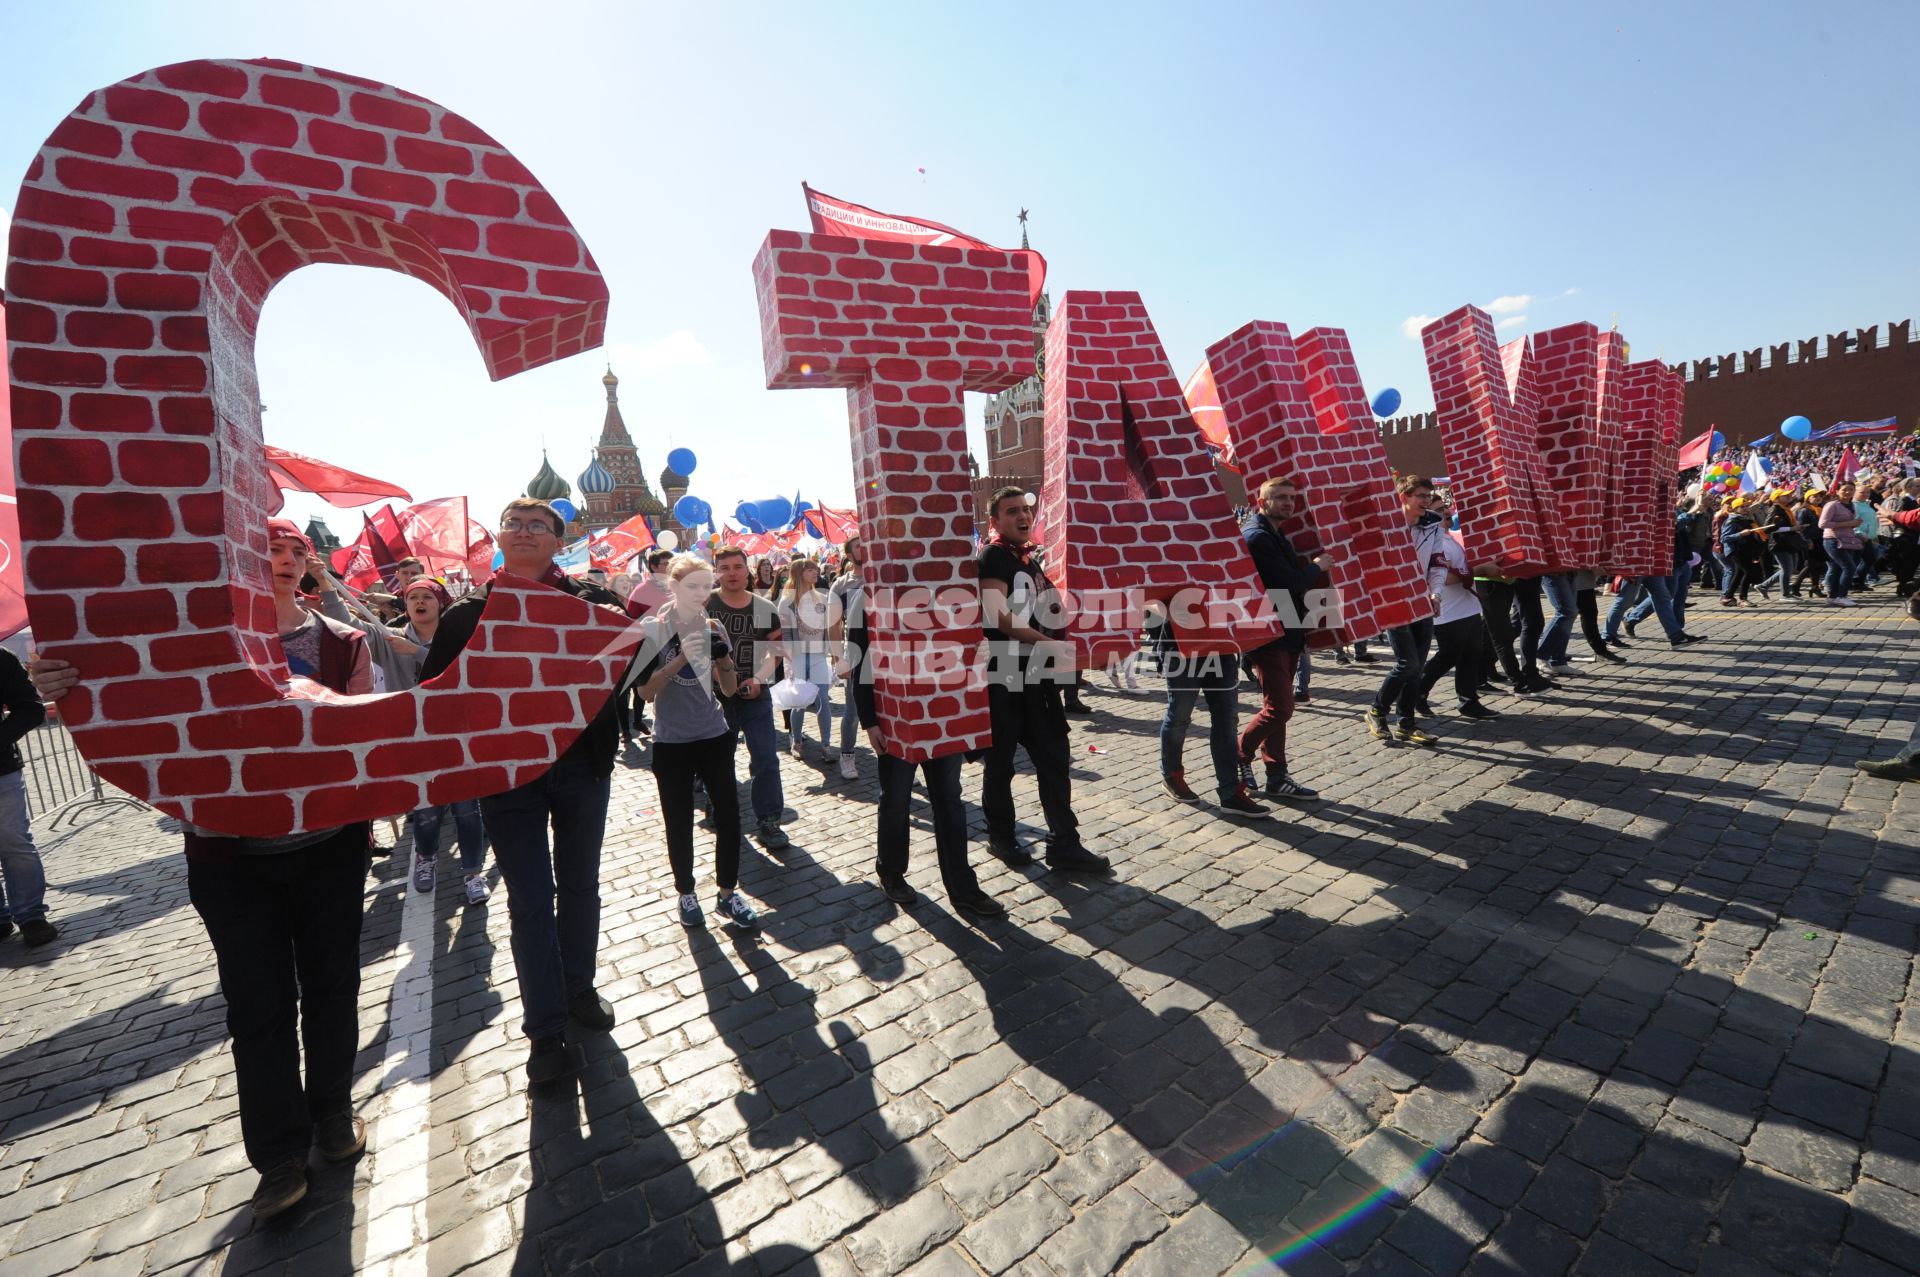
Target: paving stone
x: 1781, y: 1222
x: 1029, y: 1218
x: 901, y: 1236
x: 1568, y: 1195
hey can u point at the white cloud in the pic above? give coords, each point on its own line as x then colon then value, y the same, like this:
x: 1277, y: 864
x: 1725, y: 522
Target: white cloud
x: 1571, y: 292
x: 1514, y: 322
x: 1509, y: 304
x: 679, y: 349
x: 1412, y: 325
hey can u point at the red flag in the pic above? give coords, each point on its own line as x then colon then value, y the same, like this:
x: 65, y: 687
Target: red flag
x: 324, y: 479
x: 833, y: 216
x: 479, y: 553
x: 1203, y: 401
x: 373, y: 554
x: 830, y: 525
x: 439, y: 533
x: 13, y: 584
x: 617, y: 547
x: 1849, y: 466
x: 1694, y: 452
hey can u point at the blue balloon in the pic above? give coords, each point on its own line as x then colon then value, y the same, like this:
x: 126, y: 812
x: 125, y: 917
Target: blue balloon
x: 499, y: 559
x: 682, y: 461
x: 1796, y: 428
x: 1386, y: 403
x: 801, y: 507
x: 748, y: 517
x: 687, y: 510
x: 775, y: 512
x: 565, y: 508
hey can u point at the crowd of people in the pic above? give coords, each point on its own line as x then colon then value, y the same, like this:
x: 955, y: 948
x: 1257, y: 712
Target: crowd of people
x: 730, y: 644
x: 1807, y: 544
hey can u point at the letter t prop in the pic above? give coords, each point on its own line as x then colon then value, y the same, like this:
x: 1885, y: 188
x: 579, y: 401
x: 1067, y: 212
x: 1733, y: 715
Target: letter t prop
x: 905, y: 329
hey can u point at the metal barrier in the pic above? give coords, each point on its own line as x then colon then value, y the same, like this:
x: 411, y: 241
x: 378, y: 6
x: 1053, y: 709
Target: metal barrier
x: 60, y: 786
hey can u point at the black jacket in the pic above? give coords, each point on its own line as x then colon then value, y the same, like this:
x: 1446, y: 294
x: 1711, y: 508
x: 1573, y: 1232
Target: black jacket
x: 1281, y: 568
x: 600, y: 742
x: 24, y: 711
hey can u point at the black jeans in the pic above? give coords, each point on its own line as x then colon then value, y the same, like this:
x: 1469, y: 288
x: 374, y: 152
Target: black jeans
x: 286, y: 938
x: 674, y: 769
x: 1533, y: 622
x: 1496, y: 600
x: 1031, y: 718
x: 1459, y: 645
x: 949, y: 821
x: 1402, y: 685
x: 553, y: 895
x: 1588, y: 603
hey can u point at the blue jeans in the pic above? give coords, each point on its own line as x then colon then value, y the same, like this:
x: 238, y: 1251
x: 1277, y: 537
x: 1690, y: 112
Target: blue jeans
x: 815, y: 668
x: 21, y: 874
x: 1622, y: 604
x: 1223, y: 736
x: 553, y: 896
x: 1839, y: 570
x: 469, y: 831
x: 1402, y: 685
x: 1676, y: 599
x: 1911, y: 754
x: 1553, y: 643
x: 850, y: 715
x: 753, y: 720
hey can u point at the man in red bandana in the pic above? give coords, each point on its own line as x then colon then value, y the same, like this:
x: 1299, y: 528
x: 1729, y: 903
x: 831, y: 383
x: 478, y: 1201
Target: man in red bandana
x: 553, y: 895
x: 1028, y: 661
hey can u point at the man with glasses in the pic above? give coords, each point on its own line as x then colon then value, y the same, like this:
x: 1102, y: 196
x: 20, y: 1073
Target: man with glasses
x: 1401, y: 688
x: 553, y: 895
x: 1277, y: 663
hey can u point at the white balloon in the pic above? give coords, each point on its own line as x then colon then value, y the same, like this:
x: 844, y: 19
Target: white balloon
x: 669, y: 540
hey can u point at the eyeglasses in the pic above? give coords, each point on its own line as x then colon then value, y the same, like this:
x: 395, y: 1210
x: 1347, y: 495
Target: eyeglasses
x: 537, y: 528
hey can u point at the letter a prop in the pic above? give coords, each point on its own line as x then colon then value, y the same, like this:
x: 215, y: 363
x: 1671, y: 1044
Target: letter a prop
x: 1132, y: 505
x: 905, y: 329
x: 146, y: 237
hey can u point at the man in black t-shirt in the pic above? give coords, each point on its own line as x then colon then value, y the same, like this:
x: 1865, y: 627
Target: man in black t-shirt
x: 753, y: 629
x: 1028, y: 661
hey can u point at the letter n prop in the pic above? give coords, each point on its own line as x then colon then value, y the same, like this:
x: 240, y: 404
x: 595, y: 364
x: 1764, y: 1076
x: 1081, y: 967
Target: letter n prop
x: 1640, y: 501
x: 1132, y: 504
x: 905, y: 329
x: 1489, y: 412
x: 1297, y: 409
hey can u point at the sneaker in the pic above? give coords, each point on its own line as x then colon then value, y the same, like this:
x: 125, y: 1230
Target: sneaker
x: 1889, y: 769
x: 797, y: 747
x: 982, y: 906
x: 1686, y: 640
x: 281, y: 1189
x: 1077, y: 859
x: 552, y: 1058
x: 1411, y: 734
x: 772, y: 837
x: 690, y: 915
x: 849, y: 770
x: 1340, y: 656
x: 1377, y: 725
x: 898, y: 891
x: 1133, y: 684
x: 734, y: 907
x: 1423, y: 707
x: 38, y: 931
x: 6, y: 928
x: 591, y: 1011
x: 423, y: 873
x: 1239, y: 804
x: 1629, y: 627
x: 1301, y: 698
x: 477, y: 888
x: 1612, y: 658
x: 1175, y: 783
x: 1726, y: 602
x: 1247, y: 780
x: 1849, y: 601
x: 1284, y: 788
x: 1074, y: 705
x: 340, y: 1137
x: 1474, y: 709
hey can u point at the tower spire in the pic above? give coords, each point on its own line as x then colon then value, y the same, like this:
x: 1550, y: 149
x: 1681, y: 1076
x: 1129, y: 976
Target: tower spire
x: 1023, y: 229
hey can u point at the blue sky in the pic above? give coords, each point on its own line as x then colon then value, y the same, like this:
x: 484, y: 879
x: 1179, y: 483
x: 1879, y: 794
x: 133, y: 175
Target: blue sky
x: 1713, y: 177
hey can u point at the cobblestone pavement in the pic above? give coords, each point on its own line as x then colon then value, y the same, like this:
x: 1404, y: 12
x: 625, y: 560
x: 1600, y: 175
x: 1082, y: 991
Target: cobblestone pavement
x: 1618, y: 984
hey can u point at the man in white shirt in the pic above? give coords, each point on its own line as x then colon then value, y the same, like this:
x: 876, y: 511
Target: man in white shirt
x: 1459, y: 633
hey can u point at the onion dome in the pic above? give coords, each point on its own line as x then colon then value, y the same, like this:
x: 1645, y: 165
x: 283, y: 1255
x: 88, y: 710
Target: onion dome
x: 671, y: 479
x: 546, y: 485
x: 596, y: 480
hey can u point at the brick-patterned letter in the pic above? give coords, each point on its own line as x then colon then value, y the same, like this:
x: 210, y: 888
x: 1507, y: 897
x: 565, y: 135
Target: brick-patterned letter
x: 905, y: 329
x: 1297, y: 409
x: 146, y: 237
x: 1639, y: 502
x: 1132, y: 506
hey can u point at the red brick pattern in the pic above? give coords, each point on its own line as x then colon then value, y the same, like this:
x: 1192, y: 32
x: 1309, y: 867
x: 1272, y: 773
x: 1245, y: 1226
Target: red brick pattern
x: 1652, y: 403
x: 1297, y: 409
x: 1131, y: 503
x: 1488, y: 404
x: 145, y: 239
x: 1576, y: 370
x: 905, y: 329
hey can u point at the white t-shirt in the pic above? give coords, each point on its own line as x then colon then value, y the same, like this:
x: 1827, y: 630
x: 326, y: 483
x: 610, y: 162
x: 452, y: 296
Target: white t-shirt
x: 805, y: 622
x: 1438, y: 551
